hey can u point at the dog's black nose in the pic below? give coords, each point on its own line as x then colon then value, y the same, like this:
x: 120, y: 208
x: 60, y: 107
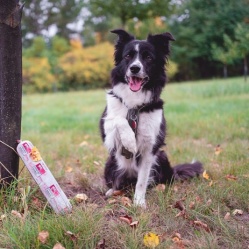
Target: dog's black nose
x: 135, y: 69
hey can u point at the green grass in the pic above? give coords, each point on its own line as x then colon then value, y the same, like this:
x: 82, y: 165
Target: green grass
x: 200, y: 115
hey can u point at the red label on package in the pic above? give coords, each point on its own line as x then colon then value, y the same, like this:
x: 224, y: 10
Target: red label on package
x: 54, y: 190
x: 27, y: 148
x: 40, y: 168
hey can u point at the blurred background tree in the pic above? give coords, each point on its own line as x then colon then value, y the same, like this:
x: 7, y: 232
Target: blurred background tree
x: 202, y: 30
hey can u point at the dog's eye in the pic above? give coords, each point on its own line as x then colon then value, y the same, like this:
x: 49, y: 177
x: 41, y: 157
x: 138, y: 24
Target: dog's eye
x: 148, y: 58
x: 128, y: 57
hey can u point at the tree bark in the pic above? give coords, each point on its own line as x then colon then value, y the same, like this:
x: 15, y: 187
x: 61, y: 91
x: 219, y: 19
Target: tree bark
x: 10, y: 87
x: 245, y: 68
x: 225, y: 70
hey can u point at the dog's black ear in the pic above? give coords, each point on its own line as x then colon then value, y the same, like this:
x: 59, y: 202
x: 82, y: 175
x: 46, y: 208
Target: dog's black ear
x: 123, y: 38
x: 161, y: 42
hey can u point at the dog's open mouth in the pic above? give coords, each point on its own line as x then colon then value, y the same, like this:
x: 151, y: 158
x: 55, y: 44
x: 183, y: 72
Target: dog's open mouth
x: 135, y: 83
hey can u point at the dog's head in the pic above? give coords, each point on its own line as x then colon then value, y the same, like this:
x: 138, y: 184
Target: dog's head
x: 141, y: 63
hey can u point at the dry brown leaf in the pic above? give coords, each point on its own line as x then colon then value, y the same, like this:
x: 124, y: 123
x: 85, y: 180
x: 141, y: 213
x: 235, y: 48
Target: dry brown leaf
x: 238, y: 211
x: 83, y: 143
x: 58, y: 246
x: 71, y: 235
x: 126, y: 201
x: 182, y: 214
x: 201, y: 224
x: 43, y: 237
x: 210, y: 183
x: 112, y: 201
x: 16, y: 214
x: 69, y: 169
x: 218, y: 150
x: 118, y: 193
x: 160, y: 187
x: 227, y: 216
x: 191, y: 205
x: 134, y: 224
x: 101, y: 244
x: 96, y: 163
x: 126, y: 218
x: 2, y: 217
x: 231, y: 177
x: 205, y: 175
x: 81, y: 198
x: 179, y: 205
x: 198, y: 199
x: 36, y: 202
x: 209, y: 202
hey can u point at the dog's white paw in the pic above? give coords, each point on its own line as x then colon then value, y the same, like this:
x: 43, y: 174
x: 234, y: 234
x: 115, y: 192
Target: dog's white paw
x: 140, y: 202
x: 129, y: 142
x: 109, y: 192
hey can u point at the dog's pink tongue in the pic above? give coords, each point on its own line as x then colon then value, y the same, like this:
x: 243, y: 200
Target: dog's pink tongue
x: 135, y: 83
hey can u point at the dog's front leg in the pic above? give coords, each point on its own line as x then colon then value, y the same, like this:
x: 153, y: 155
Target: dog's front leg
x: 143, y: 179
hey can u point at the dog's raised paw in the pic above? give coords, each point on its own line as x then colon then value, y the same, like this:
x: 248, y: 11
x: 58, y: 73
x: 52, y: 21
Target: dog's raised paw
x: 129, y: 142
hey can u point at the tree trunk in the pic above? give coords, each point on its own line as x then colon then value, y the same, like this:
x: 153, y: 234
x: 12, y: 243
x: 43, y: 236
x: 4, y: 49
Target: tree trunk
x: 225, y: 71
x: 245, y: 68
x: 10, y: 87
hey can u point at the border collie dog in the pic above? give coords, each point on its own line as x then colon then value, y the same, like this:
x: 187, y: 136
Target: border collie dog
x: 133, y: 127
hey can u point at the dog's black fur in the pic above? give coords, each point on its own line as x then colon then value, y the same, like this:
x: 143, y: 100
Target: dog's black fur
x: 139, y: 72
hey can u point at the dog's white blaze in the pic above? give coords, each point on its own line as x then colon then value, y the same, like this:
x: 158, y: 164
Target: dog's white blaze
x: 132, y: 99
x: 138, y: 63
x: 137, y: 47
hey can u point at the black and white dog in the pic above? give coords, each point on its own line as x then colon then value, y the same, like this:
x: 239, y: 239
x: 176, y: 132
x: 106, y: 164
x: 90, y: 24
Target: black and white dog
x: 133, y: 126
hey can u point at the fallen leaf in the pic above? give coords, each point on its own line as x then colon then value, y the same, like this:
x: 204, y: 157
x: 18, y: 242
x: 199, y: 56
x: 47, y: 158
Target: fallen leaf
x: 218, y: 150
x: 96, y: 163
x: 231, y: 177
x: 160, y: 187
x: 69, y: 169
x: 191, y: 205
x: 35, y: 154
x: 81, y: 198
x: 176, y: 237
x: 36, y: 202
x: 198, y: 199
x: 126, y: 218
x: 101, y: 244
x: 17, y: 214
x: 71, y: 235
x: 205, y: 175
x: 227, y: 216
x: 237, y: 211
x: 134, y: 224
x: 2, y: 217
x: 126, y: 201
x: 183, y: 214
x: 83, y: 143
x: 210, y: 183
x: 112, y: 201
x: 209, y: 202
x: 151, y: 240
x: 201, y: 224
x: 118, y: 192
x: 43, y: 236
x: 179, y: 205
x: 58, y: 246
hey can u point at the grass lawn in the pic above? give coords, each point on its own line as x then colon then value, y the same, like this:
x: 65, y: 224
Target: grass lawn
x: 193, y: 214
